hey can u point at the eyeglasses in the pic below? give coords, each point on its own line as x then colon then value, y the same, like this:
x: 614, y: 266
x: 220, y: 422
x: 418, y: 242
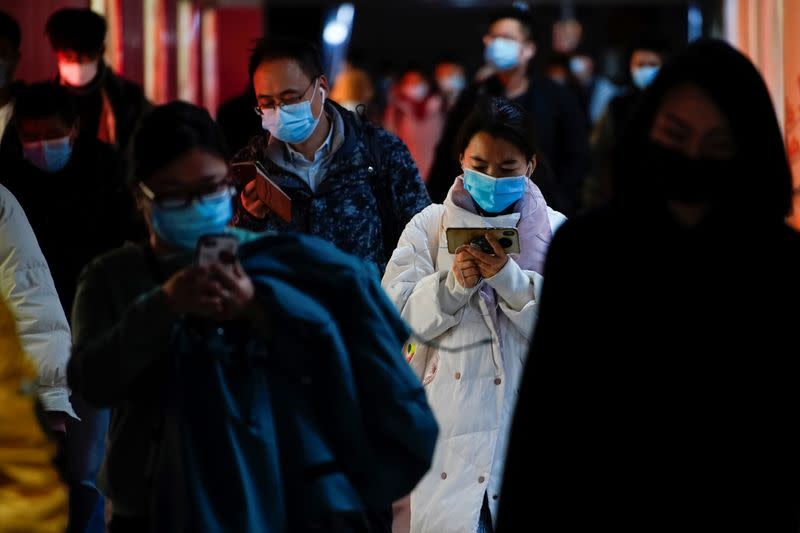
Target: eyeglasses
x: 259, y: 109
x: 210, y: 193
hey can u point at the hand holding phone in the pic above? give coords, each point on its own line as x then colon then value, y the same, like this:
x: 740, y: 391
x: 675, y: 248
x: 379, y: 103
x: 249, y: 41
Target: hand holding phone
x: 508, y: 238
x: 260, y: 195
x: 489, y: 264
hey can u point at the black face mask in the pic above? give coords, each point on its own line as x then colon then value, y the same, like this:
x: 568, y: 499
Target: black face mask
x: 685, y: 179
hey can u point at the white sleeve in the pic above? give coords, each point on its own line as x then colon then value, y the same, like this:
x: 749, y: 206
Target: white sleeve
x: 518, y: 293
x: 428, y: 300
x: 28, y: 288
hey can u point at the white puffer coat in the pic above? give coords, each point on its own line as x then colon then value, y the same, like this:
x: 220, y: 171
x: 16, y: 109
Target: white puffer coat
x: 472, y: 392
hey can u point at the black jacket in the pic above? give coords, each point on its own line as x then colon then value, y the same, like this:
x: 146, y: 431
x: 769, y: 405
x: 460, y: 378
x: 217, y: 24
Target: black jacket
x: 127, y: 100
x: 660, y: 393
x: 77, y: 213
x: 561, y: 135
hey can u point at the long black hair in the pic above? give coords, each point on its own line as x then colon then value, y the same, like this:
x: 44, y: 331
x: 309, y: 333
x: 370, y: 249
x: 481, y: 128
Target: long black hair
x: 762, y: 181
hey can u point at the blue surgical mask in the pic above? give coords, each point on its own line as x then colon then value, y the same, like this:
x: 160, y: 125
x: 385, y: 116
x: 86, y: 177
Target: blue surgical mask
x: 292, y: 123
x: 183, y: 226
x: 493, y: 195
x: 50, y: 155
x: 503, y: 53
x: 644, y: 76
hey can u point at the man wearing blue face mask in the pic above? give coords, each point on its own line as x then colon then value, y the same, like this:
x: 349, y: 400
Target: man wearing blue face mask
x: 349, y: 183
x: 554, y: 110
x: 646, y: 56
x: 72, y: 189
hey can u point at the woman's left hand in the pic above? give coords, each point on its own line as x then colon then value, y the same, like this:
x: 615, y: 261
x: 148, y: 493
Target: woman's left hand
x: 489, y: 264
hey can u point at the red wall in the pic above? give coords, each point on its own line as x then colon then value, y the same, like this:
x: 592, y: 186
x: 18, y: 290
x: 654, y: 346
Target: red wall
x: 37, y: 62
x: 237, y: 29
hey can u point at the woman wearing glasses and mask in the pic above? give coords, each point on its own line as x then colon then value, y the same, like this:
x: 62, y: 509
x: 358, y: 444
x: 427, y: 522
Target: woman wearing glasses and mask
x: 212, y: 408
x: 479, y: 307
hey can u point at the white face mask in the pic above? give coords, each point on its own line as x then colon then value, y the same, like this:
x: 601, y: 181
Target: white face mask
x: 77, y: 74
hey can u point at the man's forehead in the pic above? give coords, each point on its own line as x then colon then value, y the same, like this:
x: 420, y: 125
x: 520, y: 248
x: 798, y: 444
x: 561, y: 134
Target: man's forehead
x: 507, y: 26
x: 285, y: 69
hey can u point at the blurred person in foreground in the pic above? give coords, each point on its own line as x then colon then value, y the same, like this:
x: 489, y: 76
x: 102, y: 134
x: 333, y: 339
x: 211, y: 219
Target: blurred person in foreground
x: 228, y: 384
x: 660, y: 393
x: 32, y: 497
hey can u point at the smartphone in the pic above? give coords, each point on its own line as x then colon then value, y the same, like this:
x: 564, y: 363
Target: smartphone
x: 458, y: 237
x: 268, y: 192
x: 219, y: 249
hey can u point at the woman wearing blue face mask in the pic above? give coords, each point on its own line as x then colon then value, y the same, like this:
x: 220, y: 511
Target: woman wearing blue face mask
x: 470, y: 297
x: 129, y: 301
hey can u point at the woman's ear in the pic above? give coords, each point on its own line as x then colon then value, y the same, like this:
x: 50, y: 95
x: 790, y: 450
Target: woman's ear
x: 532, y: 165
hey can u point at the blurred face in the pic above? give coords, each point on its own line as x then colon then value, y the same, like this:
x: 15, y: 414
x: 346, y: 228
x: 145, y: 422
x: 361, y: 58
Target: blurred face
x: 582, y: 67
x: 282, y: 81
x: 689, y: 122
x: 558, y: 73
x: 413, y: 85
x: 188, y: 198
x: 447, y: 70
x: 496, y: 157
x: 645, y: 58
x: 196, y: 173
x: 77, y: 69
x: 512, y: 30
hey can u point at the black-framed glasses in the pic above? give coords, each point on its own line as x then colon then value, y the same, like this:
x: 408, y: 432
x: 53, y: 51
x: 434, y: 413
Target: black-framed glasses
x: 209, y: 194
x: 259, y: 109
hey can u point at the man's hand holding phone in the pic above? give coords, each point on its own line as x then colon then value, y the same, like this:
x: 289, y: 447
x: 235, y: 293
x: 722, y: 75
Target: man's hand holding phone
x: 260, y: 195
x: 251, y: 201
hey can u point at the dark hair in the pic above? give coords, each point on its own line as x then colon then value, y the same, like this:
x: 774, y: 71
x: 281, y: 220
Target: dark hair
x: 763, y: 179
x: 501, y: 118
x: 81, y: 30
x: 43, y: 100
x: 519, y: 11
x: 10, y: 29
x: 650, y: 42
x: 168, y: 132
x: 303, y: 52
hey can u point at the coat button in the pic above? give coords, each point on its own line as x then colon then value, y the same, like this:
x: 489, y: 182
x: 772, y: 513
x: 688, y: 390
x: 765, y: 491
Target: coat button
x: 458, y: 375
x: 444, y: 475
x: 370, y: 169
x: 495, y: 497
x: 497, y: 381
x: 481, y: 479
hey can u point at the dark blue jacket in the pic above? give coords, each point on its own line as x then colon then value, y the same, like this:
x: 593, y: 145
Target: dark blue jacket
x: 310, y: 428
x: 344, y: 209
